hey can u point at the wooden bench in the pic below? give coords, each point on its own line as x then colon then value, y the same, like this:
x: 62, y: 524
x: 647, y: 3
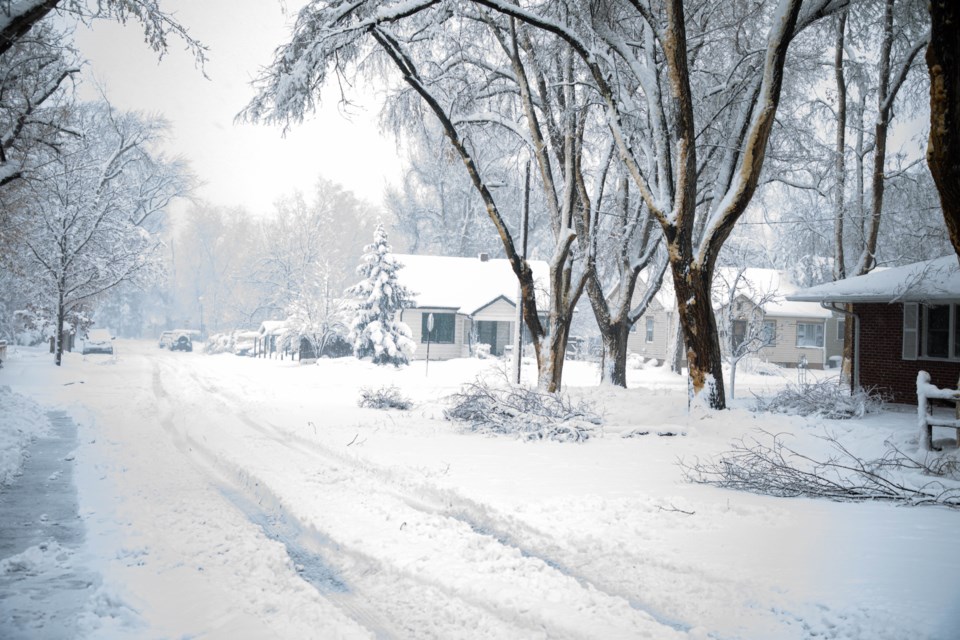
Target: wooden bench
x: 925, y: 393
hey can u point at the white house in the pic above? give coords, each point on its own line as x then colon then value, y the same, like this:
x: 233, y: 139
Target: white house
x: 472, y: 300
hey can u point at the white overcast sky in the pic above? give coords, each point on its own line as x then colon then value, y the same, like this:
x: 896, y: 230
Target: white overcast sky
x: 238, y: 164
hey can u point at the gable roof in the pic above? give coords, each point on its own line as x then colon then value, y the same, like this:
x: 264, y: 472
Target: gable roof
x: 927, y: 281
x: 464, y: 284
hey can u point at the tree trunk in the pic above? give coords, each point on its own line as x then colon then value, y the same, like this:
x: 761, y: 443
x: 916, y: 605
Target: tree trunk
x: 614, y: 369
x: 839, y: 268
x: 61, y: 313
x: 699, y: 325
x: 943, y: 151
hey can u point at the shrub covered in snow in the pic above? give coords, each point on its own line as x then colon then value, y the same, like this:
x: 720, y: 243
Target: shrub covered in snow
x: 527, y: 413
x: 23, y: 420
x: 760, y: 367
x: 825, y: 398
x: 383, y: 398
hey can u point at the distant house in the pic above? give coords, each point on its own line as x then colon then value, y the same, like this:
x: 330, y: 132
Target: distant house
x: 472, y: 301
x: 794, y: 330
x: 906, y: 321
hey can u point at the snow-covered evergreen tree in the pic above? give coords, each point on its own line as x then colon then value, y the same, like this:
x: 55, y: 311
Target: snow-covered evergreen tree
x: 375, y: 330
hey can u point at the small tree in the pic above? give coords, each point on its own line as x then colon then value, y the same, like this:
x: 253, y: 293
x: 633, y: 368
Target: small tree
x: 375, y: 331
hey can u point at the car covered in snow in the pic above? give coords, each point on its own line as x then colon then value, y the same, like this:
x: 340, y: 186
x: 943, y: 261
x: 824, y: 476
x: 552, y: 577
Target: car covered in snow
x: 98, y: 341
x: 182, y: 342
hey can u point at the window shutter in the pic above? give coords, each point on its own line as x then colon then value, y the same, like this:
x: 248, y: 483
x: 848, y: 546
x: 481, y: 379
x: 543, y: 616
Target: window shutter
x: 911, y: 325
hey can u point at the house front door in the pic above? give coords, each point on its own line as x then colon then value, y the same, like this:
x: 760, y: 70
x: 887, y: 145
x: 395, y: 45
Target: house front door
x: 487, y: 334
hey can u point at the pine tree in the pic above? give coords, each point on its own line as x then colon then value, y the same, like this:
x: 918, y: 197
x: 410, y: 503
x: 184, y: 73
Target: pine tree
x: 375, y: 331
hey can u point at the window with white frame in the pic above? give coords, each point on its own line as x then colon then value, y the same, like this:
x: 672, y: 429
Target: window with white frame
x: 649, y: 329
x: 940, y: 331
x: 809, y: 334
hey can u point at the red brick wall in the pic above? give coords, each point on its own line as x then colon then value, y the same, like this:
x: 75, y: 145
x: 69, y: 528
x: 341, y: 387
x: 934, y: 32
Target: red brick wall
x: 881, y: 362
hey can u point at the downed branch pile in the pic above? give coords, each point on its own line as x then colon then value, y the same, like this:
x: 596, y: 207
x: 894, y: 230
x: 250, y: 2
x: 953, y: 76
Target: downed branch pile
x: 383, y: 398
x: 527, y: 413
x: 825, y: 398
x: 772, y: 468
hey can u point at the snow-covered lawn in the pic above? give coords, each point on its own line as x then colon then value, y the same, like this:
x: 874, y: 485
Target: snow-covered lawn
x: 229, y: 497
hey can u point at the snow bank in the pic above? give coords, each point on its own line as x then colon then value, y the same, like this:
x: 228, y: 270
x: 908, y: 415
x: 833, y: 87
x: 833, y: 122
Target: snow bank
x: 22, y: 421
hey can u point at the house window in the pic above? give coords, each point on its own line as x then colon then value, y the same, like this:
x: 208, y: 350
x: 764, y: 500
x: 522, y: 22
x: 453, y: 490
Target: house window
x: 937, y: 320
x: 739, y: 333
x: 649, y: 329
x: 769, y: 333
x: 443, y: 328
x: 809, y: 334
x: 841, y: 329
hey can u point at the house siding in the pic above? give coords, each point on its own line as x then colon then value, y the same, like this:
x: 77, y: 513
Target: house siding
x: 662, y: 328
x: 785, y: 351
x: 438, y: 351
x: 881, y: 362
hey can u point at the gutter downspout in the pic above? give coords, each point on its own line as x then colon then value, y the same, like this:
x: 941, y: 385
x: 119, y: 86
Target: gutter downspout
x: 855, y: 377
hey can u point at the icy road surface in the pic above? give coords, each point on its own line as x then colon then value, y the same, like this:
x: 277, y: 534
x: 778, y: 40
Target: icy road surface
x: 227, y: 497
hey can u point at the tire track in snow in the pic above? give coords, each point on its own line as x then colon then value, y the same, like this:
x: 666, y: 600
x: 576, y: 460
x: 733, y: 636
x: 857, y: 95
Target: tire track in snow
x: 504, y: 531
x: 353, y: 573
x: 481, y: 519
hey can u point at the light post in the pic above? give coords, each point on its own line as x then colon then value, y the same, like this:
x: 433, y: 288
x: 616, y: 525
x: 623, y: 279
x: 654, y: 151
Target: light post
x: 200, y: 300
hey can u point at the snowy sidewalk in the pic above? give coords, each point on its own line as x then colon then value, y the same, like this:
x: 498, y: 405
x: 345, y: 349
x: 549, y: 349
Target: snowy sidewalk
x: 42, y: 591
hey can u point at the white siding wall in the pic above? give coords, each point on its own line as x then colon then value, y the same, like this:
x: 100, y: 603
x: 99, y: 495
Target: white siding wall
x: 459, y: 348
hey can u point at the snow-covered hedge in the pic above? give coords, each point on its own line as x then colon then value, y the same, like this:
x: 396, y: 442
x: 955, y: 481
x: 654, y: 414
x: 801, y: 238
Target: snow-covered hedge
x: 526, y: 413
x: 825, y: 398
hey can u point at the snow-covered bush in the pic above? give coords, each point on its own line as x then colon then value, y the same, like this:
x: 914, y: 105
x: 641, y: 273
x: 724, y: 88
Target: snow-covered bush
x: 383, y: 398
x: 375, y: 330
x: 481, y: 350
x: 825, y: 398
x: 635, y: 361
x: 219, y: 343
x: 526, y: 413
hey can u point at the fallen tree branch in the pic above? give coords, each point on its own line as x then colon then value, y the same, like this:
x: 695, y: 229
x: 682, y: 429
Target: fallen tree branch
x: 772, y: 468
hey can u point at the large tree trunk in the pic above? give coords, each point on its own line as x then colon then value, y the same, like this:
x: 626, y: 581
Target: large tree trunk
x: 699, y: 325
x: 943, y: 151
x: 614, y: 370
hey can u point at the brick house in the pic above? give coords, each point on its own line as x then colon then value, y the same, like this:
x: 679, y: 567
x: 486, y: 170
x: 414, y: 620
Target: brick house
x: 906, y: 320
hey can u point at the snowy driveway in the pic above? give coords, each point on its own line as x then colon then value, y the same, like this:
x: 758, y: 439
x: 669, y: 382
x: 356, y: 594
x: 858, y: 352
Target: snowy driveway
x: 230, y: 498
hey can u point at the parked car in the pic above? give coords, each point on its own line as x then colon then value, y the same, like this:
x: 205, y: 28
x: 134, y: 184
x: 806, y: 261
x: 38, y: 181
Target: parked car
x: 98, y: 341
x: 182, y: 343
x: 166, y: 339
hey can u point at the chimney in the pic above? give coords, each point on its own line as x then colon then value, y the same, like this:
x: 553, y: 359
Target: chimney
x: 484, y: 257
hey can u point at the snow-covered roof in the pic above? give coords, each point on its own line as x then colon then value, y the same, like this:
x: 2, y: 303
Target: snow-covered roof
x: 272, y: 327
x: 463, y: 284
x: 926, y: 281
x: 769, y: 288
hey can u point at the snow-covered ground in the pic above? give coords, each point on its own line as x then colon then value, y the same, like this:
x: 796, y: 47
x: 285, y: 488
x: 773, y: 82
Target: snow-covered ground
x: 228, y: 497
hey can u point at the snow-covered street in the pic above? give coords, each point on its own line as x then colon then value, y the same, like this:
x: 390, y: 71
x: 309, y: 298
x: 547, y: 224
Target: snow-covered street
x: 230, y: 497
